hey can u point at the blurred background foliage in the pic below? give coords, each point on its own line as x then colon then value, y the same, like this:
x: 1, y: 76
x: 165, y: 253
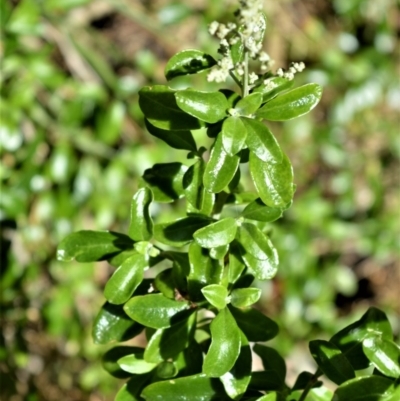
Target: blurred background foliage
x: 73, y: 147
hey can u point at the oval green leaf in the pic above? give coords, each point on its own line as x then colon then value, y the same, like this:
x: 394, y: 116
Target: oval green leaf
x: 130, y: 391
x: 141, y: 225
x: 193, y: 184
x: 188, y: 62
x: 233, y: 135
x: 111, y: 357
x: 216, y: 295
x: 274, y: 86
x: 274, y: 365
x: 243, y: 297
x: 216, y: 234
x: 259, y: 211
x: 135, y: 364
x: 249, y: 104
x: 292, y: 104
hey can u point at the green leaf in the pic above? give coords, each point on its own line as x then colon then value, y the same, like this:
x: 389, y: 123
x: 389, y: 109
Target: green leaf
x: 190, y: 361
x: 238, y: 378
x: 165, y: 283
x: 258, y: 211
x: 255, y: 325
x: 165, y: 181
x: 125, y: 279
x: 216, y: 234
x: 91, y: 246
x: 265, y: 381
x: 304, y: 379
x: 180, y: 268
x: 182, y: 139
x: 291, y: 104
x: 193, y: 184
x: 206, y: 106
x: 331, y: 361
x: 273, y: 181
x: 367, y: 388
x: 159, y: 106
x: 274, y: 364
x: 243, y: 297
x: 216, y: 294
x: 141, y: 225
x: 155, y: 310
x: 179, y: 232
x: 233, y: 135
x: 166, y: 370
x: 194, y: 388
x: 225, y: 345
x: 276, y: 85
x: 135, y: 364
x: 203, y: 270
x: 349, y: 340
x: 249, y: 104
x: 261, y: 141
x: 220, y: 168
x: 384, y: 355
x: 111, y: 357
x: 188, y: 62
x: 112, y: 324
x: 236, y: 264
x: 131, y: 390
x: 168, y: 343
x: 258, y: 252
x: 219, y: 252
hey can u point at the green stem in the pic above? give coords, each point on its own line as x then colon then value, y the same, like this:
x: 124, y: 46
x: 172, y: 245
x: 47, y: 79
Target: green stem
x: 245, y: 89
x: 234, y: 77
x: 310, y: 385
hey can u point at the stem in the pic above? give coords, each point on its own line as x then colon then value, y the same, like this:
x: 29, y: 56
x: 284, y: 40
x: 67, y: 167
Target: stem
x: 310, y: 385
x: 234, y: 77
x: 245, y: 89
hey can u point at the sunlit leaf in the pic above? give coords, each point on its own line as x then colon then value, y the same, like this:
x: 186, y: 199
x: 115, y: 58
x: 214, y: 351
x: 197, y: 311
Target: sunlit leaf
x: 216, y: 234
x: 141, y: 225
x: 234, y: 135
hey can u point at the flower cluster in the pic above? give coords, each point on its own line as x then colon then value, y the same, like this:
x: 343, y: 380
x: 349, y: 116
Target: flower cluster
x: 294, y: 68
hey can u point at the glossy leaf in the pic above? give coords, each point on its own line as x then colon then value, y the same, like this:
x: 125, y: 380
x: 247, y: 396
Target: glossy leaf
x: 179, y: 232
x: 192, y: 388
x: 258, y: 211
x: 216, y: 294
x: 159, y: 106
x: 130, y: 391
x: 125, y: 279
x: 331, y: 361
x: 220, y: 168
x: 367, y: 388
x: 155, y: 310
x: 249, y: 104
x: 113, y: 324
x: 111, y: 357
x: 165, y: 181
x: 203, y: 270
x: 135, y: 364
x: 141, y: 225
x: 206, y: 106
x: 255, y: 325
x: 274, y: 365
x: 275, y: 86
x: 233, y: 135
x: 165, y: 283
x: 188, y: 62
x: 216, y: 234
x: 238, y: 378
x: 193, y: 184
x: 190, y: 361
x: 261, y: 142
x: 167, y: 370
x: 219, y: 252
x: 91, y: 246
x: 384, y: 355
x: 182, y: 139
x: 180, y: 267
x: 291, y: 104
x: 349, y: 340
x: 273, y: 181
x: 243, y: 297
x: 236, y: 264
x: 225, y: 345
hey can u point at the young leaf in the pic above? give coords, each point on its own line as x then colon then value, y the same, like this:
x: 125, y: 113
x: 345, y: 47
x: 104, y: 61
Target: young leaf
x: 261, y: 142
x: 188, y: 62
x: 243, y: 297
x: 206, y: 106
x: 225, y: 345
x: 249, y: 104
x: 219, y: 252
x: 258, y: 211
x: 233, y: 135
x: 349, y: 340
x: 273, y: 181
x: 274, y: 364
x: 216, y: 294
x: 384, y: 355
x: 111, y: 357
x: 155, y: 310
x: 255, y: 325
x: 331, y: 361
x: 220, y: 168
x: 238, y: 378
x: 166, y: 370
x: 165, y: 181
x: 113, y: 324
x: 130, y: 391
x: 291, y: 104
x: 141, y: 225
x: 194, y: 388
x: 125, y: 279
x: 135, y: 364
x: 275, y: 86
x: 193, y: 184
x: 179, y: 232
x: 216, y: 234
x: 176, y: 139
x: 91, y: 246
x: 159, y: 106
